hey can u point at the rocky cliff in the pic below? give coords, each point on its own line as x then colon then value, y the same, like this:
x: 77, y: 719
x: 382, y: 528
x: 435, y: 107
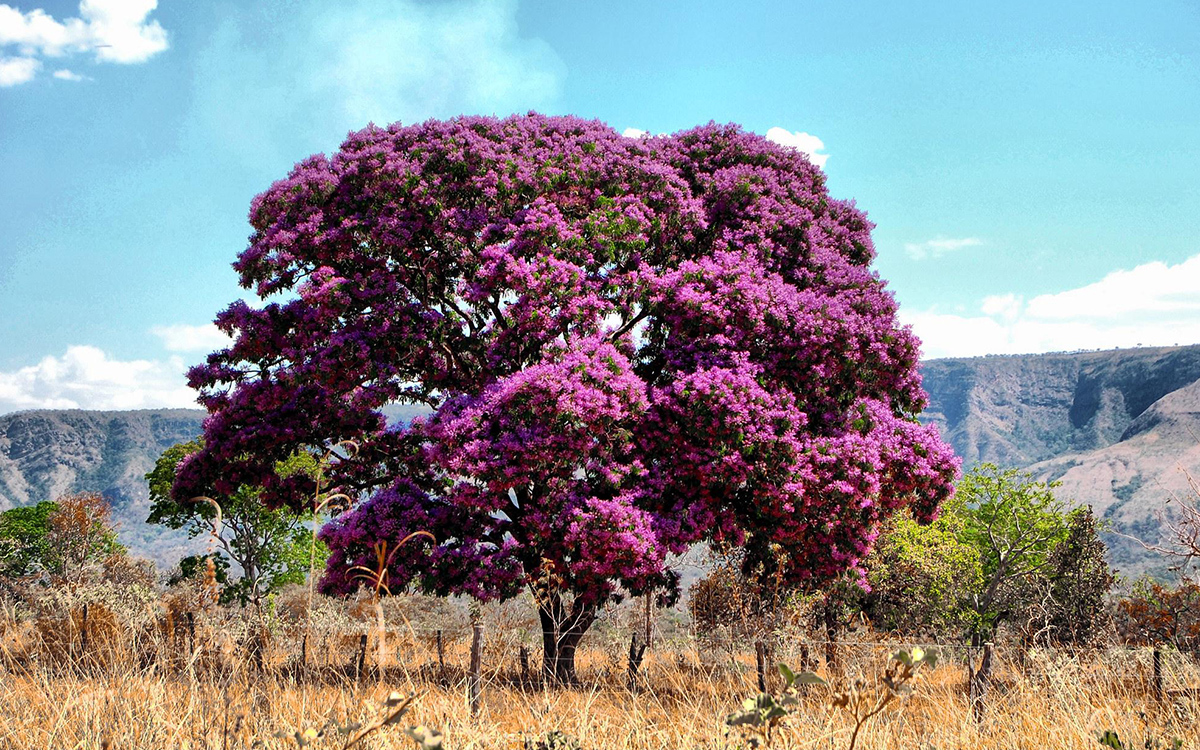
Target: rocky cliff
x: 45, y: 454
x: 1115, y: 427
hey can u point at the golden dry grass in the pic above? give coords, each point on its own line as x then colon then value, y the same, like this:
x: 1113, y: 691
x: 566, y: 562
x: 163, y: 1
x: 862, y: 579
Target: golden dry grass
x: 1055, y: 702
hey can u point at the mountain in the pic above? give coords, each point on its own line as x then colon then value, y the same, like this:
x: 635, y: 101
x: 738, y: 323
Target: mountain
x: 1114, y: 427
x: 45, y: 454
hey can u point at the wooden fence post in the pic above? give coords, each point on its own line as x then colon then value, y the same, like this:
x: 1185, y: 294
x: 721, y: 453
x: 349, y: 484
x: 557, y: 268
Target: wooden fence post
x: 523, y: 654
x: 83, y: 635
x: 977, y: 681
x: 475, y: 683
x: 362, y: 658
x: 760, y: 659
x: 637, y: 652
x: 191, y: 629
x: 1158, y: 676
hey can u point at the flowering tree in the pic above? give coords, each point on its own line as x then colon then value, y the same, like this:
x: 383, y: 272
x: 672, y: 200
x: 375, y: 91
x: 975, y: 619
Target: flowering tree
x: 627, y: 346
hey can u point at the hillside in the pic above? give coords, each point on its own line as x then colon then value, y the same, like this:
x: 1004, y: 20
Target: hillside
x: 1114, y: 427
x: 47, y: 453
x: 44, y: 454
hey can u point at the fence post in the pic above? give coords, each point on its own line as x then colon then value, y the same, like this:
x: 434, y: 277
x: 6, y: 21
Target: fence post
x: 1158, y: 677
x: 258, y: 647
x: 978, y: 680
x: 83, y: 635
x: 637, y: 652
x: 362, y: 657
x: 191, y: 629
x: 475, y: 683
x: 523, y: 654
x: 760, y: 659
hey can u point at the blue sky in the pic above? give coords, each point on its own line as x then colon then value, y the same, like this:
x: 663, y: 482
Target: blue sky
x: 1032, y: 167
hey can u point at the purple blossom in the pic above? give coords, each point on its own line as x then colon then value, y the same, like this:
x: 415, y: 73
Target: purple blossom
x: 626, y: 346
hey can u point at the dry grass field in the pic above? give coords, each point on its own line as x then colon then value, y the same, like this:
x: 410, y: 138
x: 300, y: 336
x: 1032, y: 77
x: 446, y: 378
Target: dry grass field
x: 169, y: 684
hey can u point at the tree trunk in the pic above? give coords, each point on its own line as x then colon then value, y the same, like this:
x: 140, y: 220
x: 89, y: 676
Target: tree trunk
x: 562, y: 630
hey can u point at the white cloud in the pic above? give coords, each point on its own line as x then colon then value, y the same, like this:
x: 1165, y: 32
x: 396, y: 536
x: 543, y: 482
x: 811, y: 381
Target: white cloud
x: 938, y: 247
x: 17, y: 70
x: 87, y: 378
x: 1154, y: 304
x: 1152, y: 289
x: 185, y: 338
x: 114, y: 30
x: 1003, y: 306
x: 810, y: 145
x: 66, y: 75
x: 633, y: 133
x: 119, y: 30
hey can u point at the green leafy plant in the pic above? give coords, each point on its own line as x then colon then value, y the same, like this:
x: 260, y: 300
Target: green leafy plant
x: 1112, y: 740
x: 862, y: 702
x: 554, y: 740
x: 764, y: 714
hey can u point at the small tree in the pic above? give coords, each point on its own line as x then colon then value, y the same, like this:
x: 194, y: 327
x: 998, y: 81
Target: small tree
x: 80, y: 533
x: 922, y: 577
x: 271, y: 546
x: 744, y: 603
x: 1070, y: 606
x: 24, y: 542
x: 1014, y: 522
x: 1154, y: 614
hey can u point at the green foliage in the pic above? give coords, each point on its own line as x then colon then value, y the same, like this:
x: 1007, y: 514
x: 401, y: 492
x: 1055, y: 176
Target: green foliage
x: 1004, y: 549
x: 554, y: 740
x: 271, y: 546
x: 24, y: 539
x: 1113, y: 740
x: 922, y: 576
x: 1075, y: 586
x: 57, y: 538
x: 1014, y: 523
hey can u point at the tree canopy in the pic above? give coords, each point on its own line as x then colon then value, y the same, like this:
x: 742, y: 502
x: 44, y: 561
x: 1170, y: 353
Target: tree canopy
x: 59, y: 538
x: 271, y: 546
x: 628, y: 346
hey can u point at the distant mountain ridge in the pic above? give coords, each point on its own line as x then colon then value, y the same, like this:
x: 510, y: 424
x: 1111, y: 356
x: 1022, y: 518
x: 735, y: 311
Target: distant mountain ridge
x: 1115, y: 427
x: 47, y: 453
x: 1112, y: 426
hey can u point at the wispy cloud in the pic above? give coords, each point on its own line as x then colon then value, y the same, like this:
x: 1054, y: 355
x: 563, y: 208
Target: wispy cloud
x: 810, y: 145
x: 186, y: 338
x: 115, y: 31
x: 327, y: 68
x: 938, y: 247
x: 85, y: 377
x: 66, y: 75
x: 1155, y: 304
